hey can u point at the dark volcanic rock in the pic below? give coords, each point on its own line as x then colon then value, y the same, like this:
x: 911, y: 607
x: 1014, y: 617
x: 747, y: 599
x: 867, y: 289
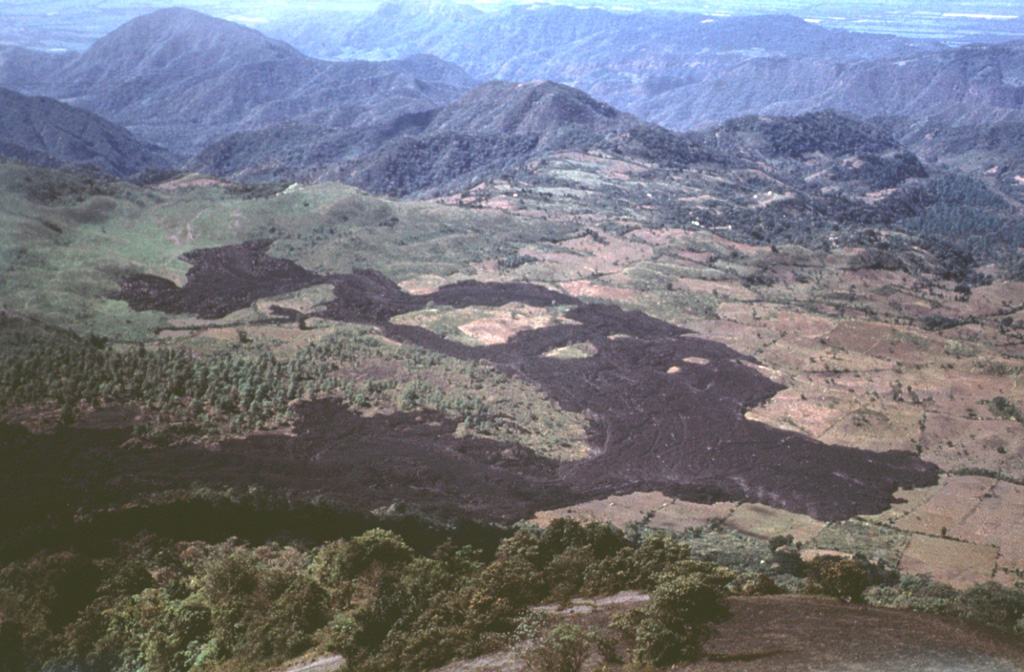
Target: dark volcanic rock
x: 667, y: 408
x: 236, y: 274
x: 413, y: 457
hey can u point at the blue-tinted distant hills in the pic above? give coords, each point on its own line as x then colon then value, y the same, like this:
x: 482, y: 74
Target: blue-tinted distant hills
x: 688, y: 70
x: 182, y: 79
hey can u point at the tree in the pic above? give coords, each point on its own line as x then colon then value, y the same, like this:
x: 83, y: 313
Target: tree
x: 680, y: 620
x: 838, y: 577
x: 563, y: 649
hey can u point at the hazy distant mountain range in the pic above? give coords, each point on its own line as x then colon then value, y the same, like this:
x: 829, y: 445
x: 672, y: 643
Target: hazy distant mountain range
x: 182, y: 79
x: 222, y: 98
x: 686, y: 70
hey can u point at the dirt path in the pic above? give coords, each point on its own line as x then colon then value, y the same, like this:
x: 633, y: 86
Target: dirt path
x: 321, y: 665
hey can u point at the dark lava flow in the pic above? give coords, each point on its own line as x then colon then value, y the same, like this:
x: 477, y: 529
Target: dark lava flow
x: 682, y: 433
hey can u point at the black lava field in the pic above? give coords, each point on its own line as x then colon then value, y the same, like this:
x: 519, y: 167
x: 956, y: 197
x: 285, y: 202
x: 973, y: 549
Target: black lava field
x: 666, y: 408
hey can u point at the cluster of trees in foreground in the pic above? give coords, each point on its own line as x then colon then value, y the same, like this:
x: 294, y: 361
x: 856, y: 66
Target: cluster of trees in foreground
x: 184, y: 606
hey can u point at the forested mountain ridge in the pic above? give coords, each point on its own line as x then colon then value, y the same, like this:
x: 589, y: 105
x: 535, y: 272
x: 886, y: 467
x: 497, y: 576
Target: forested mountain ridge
x: 44, y: 132
x: 494, y: 127
x: 250, y: 107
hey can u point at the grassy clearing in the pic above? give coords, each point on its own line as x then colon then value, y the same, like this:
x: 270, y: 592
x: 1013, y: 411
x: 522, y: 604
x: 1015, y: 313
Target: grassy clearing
x: 68, y: 241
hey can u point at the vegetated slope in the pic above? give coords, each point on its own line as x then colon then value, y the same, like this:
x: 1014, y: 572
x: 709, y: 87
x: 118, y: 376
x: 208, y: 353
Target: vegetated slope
x: 965, y: 85
x: 992, y: 153
x: 48, y: 133
x: 500, y: 126
x: 260, y: 110
x: 171, y: 43
x: 817, y: 179
x: 971, y: 84
x: 494, y: 128
x: 541, y: 108
x: 182, y: 78
x: 812, y: 179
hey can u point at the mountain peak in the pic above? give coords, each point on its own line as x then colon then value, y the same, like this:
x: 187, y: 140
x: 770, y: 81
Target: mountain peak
x: 175, y: 40
x: 529, y: 107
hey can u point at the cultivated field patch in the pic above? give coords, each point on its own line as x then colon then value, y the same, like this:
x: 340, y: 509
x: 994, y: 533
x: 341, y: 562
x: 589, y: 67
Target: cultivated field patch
x: 766, y: 522
x: 877, y: 542
x: 948, y: 507
x: 960, y: 564
x: 996, y: 521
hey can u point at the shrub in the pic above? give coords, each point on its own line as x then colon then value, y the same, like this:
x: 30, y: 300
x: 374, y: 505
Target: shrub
x: 787, y: 560
x: 679, y: 621
x: 563, y: 649
x: 377, y: 548
x: 610, y: 575
x: 758, y: 584
x: 993, y: 604
x: 838, y: 577
x: 328, y: 568
x: 128, y: 577
x: 657, y: 552
x: 70, y: 582
x: 914, y: 592
x: 495, y: 599
x: 565, y: 574
x: 1003, y: 408
x: 524, y: 544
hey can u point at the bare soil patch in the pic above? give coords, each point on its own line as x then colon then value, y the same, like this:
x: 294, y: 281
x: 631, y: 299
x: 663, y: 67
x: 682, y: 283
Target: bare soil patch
x: 795, y: 633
